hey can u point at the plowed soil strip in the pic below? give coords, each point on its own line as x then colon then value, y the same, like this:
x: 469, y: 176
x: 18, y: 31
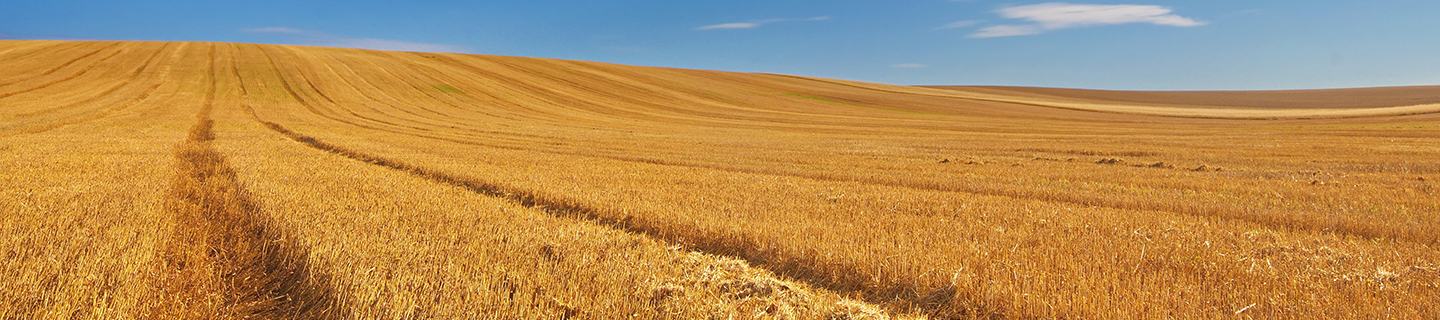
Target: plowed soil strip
x: 226, y: 259
x: 900, y: 298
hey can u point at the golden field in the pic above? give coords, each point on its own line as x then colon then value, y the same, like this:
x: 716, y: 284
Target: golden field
x: 213, y: 180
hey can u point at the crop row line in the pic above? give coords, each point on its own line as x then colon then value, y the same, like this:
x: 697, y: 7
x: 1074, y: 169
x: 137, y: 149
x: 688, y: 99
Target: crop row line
x: 52, y: 69
x: 47, y: 84
x: 226, y: 258
x: 1265, y: 218
x: 84, y: 116
x: 899, y: 297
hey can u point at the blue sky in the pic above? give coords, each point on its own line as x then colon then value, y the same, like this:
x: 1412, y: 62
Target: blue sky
x: 1139, y: 44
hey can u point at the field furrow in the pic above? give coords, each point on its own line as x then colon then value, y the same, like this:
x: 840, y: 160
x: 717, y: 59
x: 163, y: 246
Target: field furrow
x: 104, y: 103
x: 851, y: 254
x: 560, y: 208
x: 20, y: 76
x: 509, y: 259
x: 1183, y: 204
x: 82, y: 71
x: 225, y: 259
x: 727, y: 286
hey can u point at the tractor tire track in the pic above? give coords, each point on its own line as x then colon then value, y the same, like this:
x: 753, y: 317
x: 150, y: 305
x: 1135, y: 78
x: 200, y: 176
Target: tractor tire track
x: 846, y: 282
x: 235, y: 70
x: 806, y: 271
x: 1264, y: 219
x: 1260, y: 217
x: 226, y: 259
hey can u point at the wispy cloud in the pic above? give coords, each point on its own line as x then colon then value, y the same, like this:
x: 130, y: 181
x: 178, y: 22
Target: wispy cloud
x: 324, y: 39
x: 959, y: 25
x: 1007, y: 30
x: 1045, y: 17
x: 731, y: 26
x: 756, y: 24
x: 909, y: 66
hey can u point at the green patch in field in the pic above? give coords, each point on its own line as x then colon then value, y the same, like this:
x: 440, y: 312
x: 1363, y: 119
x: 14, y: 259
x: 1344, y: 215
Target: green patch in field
x: 447, y: 88
x: 814, y: 98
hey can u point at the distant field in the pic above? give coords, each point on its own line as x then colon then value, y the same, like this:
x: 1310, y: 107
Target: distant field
x: 1261, y: 105
x: 214, y: 180
x: 1294, y: 99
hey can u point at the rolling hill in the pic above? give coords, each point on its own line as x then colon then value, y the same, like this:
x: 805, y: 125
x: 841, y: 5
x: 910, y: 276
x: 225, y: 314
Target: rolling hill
x: 220, y: 180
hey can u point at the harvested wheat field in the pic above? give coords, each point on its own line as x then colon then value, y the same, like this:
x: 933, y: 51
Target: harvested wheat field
x: 215, y: 180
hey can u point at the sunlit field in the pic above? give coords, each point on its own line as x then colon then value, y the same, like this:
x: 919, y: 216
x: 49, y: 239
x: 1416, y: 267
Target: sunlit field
x: 215, y: 180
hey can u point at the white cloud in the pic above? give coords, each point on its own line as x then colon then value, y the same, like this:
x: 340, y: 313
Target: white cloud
x: 308, y: 37
x: 1051, y: 16
x: 1007, y: 30
x: 959, y: 24
x: 731, y: 26
x: 756, y: 24
x: 909, y: 66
